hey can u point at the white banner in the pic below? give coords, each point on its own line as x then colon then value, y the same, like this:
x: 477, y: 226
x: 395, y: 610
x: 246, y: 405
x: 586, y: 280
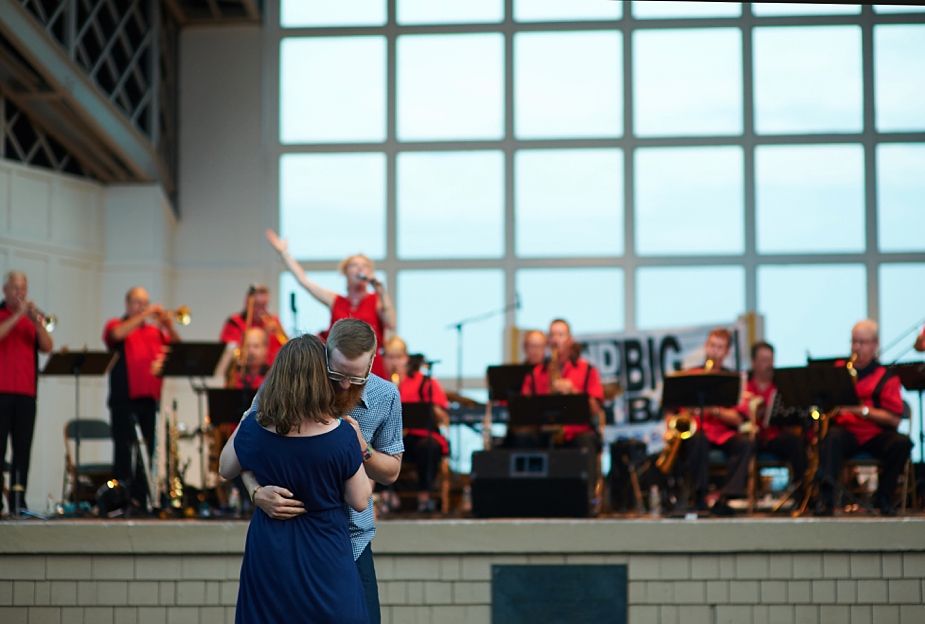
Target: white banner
x: 640, y: 361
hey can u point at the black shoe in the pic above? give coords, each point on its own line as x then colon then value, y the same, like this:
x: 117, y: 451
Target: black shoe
x: 700, y: 503
x: 885, y: 506
x: 722, y: 508
x: 824, y: 510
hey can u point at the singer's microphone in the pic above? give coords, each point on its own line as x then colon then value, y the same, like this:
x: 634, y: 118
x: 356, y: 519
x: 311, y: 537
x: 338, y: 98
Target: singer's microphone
x: 372, y: 280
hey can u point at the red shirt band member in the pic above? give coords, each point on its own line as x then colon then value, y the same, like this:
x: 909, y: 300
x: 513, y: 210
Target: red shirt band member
x: 575, y: 376
x: 140, y: 337
x: 870, y: 427
x: 257, y: 300
x: 22, y: 336
x: 375, y: 308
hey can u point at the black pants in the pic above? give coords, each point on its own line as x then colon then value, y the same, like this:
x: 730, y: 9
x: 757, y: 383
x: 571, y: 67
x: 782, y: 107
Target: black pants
x: 890, y: 447
x: 790, y: 448
x: 739, y: 449
x: 367, y: 572
x: 17, y: 422
x: 122, y: 421
x: 425, y: 453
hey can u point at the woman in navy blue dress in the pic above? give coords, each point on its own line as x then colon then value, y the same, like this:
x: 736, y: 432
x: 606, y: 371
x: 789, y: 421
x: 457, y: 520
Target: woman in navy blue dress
x: 300, y: 570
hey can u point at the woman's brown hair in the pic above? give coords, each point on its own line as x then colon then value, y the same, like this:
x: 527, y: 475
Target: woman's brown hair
x: 297, y: 387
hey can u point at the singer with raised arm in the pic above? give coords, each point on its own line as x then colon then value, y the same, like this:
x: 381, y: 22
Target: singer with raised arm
x: 869, y: 427
x: 373, y: 307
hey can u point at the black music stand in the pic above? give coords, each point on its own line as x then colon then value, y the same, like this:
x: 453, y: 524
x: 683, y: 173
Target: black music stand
x: 549, y: 409
x: 912, y: 376
x: 689, y: 389
x: 820, y: 387
x: 79, y: 363
x: 195, y: 359
x: 227, y: 406
x: 506, y: 380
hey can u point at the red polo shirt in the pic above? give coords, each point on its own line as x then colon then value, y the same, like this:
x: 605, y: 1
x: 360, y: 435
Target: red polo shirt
x: 584, y: 378
x: 233, y: 331
x: 251, y: 381
x: 766, y: 432
x: 130, y: 377
x: 18, y: 356
x: 415, y: 390
x: 888, y: 397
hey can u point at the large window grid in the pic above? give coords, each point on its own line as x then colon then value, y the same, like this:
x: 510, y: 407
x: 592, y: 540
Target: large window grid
x: 630, y: 261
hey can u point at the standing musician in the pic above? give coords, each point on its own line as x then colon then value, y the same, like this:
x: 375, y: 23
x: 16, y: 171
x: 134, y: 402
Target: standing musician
x: 373, y: 307
x: 534, y: 347
x: 566, y: 373
x: 720, y: 430
x: 424, y: 450
x: 786, y: 445
x: 256, y: 346
x: 869, y: 427
x: 140, y: 337
x: 22, y: 336
x: 255, y: 314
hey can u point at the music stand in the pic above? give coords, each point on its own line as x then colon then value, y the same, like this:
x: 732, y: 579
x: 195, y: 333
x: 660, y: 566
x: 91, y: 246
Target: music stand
x: 912, y: 377
x: 820, y: 387
x: 227, y: 406
x: 688, y: 389
x: 549, y: 409
x: 506, y: 380
x: 194, y: 359
x: 79, y: 363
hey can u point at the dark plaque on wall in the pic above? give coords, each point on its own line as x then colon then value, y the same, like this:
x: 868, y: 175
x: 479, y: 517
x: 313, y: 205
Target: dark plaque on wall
x: 548, y: 594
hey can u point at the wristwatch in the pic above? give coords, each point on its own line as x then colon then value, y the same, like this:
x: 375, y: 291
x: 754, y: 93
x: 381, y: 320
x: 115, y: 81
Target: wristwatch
x: 864, y: 411
x: 368, y: 452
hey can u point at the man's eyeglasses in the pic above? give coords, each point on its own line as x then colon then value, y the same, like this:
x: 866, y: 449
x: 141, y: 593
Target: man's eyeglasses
x: 339, y: 377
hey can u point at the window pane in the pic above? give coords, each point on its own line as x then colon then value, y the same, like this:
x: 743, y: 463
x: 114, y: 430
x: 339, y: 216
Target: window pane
x: 306, y: 13
x: 311, y: 317
x: 547, y: 294
x: 321, y: 194
x: 810, y: 199
x: 573, y: 10
x: 901, y: 196
x: 764, y: 9
x: 430, y: 12
x: 901, y: 306
x: 898, y: 8
x: 661, y: 10
x: 687, y: 82
x: 689, y: 200
x: 451, y: 205
x: 569, y: 202
x: 795, y: 323
x: 332, y: 90
x: 899, y: 77
x: 686, y: 296
x: 429, y: 301
x: 450, y: 87
x: 807, y: 79
x: 568, y: 84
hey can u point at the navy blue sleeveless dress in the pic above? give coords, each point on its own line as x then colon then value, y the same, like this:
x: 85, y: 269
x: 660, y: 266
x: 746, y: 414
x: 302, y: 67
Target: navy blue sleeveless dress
x: 301, y: 570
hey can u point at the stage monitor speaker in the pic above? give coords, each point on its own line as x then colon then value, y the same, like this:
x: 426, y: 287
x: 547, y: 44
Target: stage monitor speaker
x: 524, y: 483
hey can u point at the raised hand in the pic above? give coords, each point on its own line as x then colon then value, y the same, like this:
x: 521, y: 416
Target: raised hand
x: 278, y: 243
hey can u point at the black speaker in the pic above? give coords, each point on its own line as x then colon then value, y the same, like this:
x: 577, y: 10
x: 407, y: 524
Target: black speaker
x: 524, y: 483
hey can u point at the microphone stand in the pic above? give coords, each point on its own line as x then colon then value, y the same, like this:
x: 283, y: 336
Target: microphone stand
x: 458, y: 326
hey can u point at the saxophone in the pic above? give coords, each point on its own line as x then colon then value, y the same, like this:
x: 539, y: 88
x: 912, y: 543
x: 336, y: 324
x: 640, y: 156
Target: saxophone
x: 174, y: 482
x: 553, y: 370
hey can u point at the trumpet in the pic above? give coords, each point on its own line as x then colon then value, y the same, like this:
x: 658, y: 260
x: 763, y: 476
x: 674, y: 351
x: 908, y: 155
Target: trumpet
x: 181, y: 315
x: 49, y: 321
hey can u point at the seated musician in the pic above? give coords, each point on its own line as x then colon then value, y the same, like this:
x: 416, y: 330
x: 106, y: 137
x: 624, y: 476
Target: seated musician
x: 255, y: 370
x: 255, y: 314
x: 534, y: 347
x: 787, y: 445
x: 566, y: 373
x: 866, y: 428
x: 720, y: 431
x: 424, y: 448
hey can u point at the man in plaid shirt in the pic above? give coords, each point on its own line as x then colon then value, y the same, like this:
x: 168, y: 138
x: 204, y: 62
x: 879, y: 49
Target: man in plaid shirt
x: 374, y: 409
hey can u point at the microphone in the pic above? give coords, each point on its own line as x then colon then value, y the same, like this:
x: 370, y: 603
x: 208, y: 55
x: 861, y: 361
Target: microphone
x: 371, y: 279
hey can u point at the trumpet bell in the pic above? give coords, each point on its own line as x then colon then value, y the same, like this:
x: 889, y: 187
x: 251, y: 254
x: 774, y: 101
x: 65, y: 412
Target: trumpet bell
x: 50, y: 322
x: 183, y: 315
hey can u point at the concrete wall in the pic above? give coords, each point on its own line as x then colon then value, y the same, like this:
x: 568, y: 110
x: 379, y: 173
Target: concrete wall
x: 706, y: 572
